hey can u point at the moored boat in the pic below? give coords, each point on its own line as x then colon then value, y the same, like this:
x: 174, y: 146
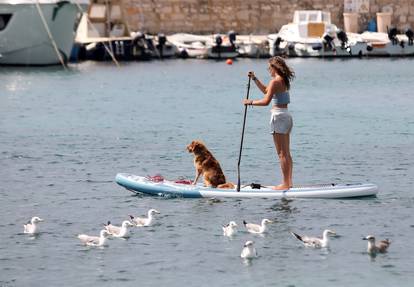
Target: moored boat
x: 205, y: 46
x: 189, y: 45
x: 252, y: 46
x: 37, y: 32
x: 389, y: 44
x: 311, y: 34
x: 164, y: 48
x: 104, y: 34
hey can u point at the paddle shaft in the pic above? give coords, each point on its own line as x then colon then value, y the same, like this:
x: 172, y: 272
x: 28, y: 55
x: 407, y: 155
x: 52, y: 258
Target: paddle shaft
x: 242, y: 137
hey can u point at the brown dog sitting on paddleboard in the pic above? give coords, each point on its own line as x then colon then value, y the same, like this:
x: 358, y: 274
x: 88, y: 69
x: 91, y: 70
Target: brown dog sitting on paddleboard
x: 207, y: 166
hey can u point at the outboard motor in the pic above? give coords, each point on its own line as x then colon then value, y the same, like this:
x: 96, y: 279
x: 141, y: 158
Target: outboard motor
x: 410, y: 35
x: 232, y: 37
x: 139, y: 45
x: 392, y: 35
x: 277, y: 44
x: 343, y: 38
x: 162, y: 39
x: 328, y: 42
x: 291, y: 49
x: 138, y: 37
x: 219, y: 42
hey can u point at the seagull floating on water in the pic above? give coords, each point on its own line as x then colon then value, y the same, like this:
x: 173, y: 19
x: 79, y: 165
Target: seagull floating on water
x: 31, y: 226
x: 230, y: 229
x: 373, y: 249
x: 144, y: 221
x: 117, y: 231
x: 94, y: 240
x: 315, y: 242
x: 256, y: 228
x: 248, y: 251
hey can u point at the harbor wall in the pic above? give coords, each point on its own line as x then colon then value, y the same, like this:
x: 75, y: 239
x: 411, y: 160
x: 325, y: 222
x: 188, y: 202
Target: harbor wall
x: 246, y: 17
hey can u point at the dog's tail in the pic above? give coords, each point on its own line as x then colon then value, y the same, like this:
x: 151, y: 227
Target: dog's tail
x: 227, y: 185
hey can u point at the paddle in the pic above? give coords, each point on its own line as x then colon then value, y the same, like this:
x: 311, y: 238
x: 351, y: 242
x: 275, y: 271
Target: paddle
x: 242, y: 137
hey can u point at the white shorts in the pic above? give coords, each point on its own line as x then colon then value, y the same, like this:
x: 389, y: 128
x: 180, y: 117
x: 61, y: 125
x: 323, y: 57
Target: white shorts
x: 280, y: 121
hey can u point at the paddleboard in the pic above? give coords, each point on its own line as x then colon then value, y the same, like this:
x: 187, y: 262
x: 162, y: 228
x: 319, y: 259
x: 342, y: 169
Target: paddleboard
x: 168, y: 188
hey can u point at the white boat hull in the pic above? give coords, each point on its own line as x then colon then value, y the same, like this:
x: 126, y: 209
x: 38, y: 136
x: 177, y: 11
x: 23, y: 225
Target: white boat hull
x: 389, y: 49
x: 201, y: 46
x: 307, y: 50
x: 25, y: 40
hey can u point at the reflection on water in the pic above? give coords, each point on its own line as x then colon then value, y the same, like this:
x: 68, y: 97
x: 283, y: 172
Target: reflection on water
x: 64, y: 136
x: 284, y: 206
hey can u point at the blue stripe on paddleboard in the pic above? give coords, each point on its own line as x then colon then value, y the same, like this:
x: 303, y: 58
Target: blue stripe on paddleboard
x: 158, y: 190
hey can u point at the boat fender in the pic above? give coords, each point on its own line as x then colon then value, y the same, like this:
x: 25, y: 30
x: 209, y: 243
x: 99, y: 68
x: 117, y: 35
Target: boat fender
x: 218, y: 40
x: 183, y: 54
x: 402, y: 44
x: 232, y: 37
x: 316, y: 47
x: 369, y: 47
x: 392, y: 35
x: 410, y: 35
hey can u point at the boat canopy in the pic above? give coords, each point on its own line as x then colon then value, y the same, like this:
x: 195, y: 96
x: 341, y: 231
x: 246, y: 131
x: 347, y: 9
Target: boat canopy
x: 311, y: 16
x: 308, y: 24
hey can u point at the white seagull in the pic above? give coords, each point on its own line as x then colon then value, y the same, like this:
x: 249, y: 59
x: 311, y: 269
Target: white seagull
x: 230, y: 229
x: 117, y: 231
x: 248, y: 251
x: 256, y: 228
x: 94, y: 240
x: 31, y: 226
x: 373, y: 248
x: 144, y: 221
x: 315, y: 242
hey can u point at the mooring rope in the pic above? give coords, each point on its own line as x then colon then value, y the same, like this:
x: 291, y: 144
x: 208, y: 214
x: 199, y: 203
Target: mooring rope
x: 50, y: 35
x: 96, y: 30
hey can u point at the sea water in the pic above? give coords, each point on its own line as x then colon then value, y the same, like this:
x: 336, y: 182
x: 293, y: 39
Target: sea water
x: 65, y: 134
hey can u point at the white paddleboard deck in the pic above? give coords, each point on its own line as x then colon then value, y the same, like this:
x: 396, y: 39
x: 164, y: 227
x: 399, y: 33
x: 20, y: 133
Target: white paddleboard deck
x: 167, y: 188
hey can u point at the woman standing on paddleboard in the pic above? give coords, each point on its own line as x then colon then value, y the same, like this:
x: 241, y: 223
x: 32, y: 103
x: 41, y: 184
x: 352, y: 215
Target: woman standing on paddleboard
x: 280, y: 121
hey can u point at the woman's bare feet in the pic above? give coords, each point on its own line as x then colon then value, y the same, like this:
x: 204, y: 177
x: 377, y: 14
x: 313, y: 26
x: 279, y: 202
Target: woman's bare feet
x: 281, y: 187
